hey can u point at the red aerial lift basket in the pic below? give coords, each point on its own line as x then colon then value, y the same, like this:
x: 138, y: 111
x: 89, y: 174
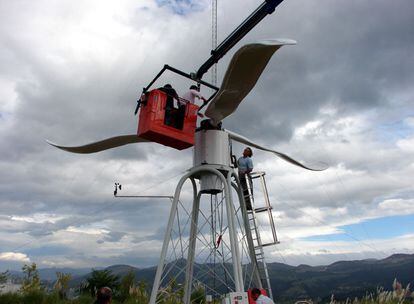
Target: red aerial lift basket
x: 151, y: 125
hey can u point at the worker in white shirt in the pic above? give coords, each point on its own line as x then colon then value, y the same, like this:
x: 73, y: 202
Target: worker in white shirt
x: 190, y: 97
x: 192, y: 94
x: 260, y: 298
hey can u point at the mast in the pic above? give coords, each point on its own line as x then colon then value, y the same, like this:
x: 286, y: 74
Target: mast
x: 214, y: 39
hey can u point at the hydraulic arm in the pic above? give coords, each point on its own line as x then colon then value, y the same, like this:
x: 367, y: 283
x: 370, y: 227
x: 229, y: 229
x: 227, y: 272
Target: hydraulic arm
x: 246, y: 26
x: 266, y: 8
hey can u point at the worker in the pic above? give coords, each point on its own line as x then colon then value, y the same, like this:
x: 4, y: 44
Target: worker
x: 104, y: 295
x: 189, y: 97
x: 192, y: 94
x: 261, y: 298
x: 169, y: 117
x: 245, y: 167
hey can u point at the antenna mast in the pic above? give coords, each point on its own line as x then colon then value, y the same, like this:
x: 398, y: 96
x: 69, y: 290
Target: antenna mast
x: 214, y: 39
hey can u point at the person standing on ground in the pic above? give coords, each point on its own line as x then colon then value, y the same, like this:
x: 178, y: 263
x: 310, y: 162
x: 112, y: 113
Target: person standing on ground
x: 245, y: 166
x: 104, y: 296
x: 260, y: 298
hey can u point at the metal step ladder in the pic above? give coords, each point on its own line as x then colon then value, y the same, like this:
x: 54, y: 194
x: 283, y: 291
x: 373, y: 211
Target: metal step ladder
x: 263, y: 208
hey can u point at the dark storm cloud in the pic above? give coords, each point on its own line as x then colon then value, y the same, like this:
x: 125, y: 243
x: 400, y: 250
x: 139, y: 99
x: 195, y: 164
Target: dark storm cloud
x: 112, y: 236
x: 344, y: 57
x: 44, y: 227
x: 72, y: 88
x: 49, y: 249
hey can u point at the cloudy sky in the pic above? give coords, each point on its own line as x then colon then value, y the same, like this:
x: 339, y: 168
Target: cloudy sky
x: 71, y: 71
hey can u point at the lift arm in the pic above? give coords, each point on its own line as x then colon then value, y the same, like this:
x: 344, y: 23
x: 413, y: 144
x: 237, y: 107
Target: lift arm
x: 266, y: 8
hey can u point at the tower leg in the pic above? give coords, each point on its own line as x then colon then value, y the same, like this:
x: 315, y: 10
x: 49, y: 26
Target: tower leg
x: 191, y: 250
x: 164, y: 249
x: 193, y: 219
x: 238, y: 276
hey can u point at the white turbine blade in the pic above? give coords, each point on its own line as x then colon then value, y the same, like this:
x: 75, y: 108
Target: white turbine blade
x: 241, y: 139
x: 244, y: 70
x: 102, y: 145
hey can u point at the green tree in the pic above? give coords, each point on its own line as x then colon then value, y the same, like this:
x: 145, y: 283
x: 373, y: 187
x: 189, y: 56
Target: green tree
x: 3, y: 278
x: 31, y: 281
x: 99, y: 279
x: 62, y: 284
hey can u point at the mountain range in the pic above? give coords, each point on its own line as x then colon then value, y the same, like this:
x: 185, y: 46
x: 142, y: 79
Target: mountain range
x: 344, y: 279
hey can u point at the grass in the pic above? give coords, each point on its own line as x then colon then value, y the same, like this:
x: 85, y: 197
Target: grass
x: 399, y: 295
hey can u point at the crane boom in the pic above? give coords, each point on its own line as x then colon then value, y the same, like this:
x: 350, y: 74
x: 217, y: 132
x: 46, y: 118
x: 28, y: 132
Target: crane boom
x: 266, y: 8
x: 214, y: 38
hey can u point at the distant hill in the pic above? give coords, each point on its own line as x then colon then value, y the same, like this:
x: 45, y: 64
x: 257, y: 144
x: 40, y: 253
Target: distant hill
x: 49, y: 274
x: 344, y: 279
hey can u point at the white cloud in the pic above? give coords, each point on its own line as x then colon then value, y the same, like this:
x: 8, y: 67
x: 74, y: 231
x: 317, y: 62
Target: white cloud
x: 406, y: 145
x: 397, y: 206
x: 14, y: 256
x: 87, y: 230
x: 409, y: 121
x: 322, y: 253
x: 38, y: 218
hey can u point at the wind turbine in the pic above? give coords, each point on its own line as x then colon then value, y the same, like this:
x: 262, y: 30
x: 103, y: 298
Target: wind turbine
x: 212, y: 166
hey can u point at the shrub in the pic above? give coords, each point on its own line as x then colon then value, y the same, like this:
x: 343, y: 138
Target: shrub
x: 10, y: 298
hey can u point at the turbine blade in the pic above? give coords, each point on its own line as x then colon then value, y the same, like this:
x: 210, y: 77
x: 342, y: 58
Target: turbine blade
x: 244, y: 70
x: 241, y: 139
x: 102, y: 145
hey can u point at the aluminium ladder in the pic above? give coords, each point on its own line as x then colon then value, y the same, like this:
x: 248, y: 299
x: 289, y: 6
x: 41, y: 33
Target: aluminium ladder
x: 265, y: 208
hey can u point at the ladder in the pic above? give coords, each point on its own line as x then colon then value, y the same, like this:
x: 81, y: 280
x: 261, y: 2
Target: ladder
x: 263, y: 208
